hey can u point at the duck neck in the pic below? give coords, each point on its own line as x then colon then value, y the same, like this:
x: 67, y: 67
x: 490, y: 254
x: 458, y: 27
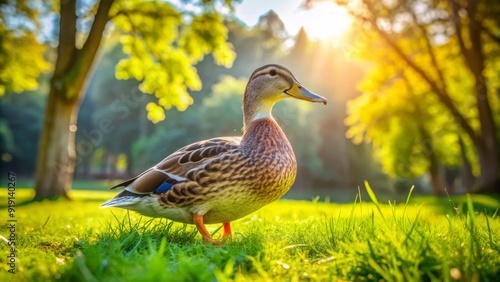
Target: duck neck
x: 264, y: 135
x: 255, y: 110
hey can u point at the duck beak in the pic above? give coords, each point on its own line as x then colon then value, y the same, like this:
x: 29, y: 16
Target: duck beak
x: 300, y: 92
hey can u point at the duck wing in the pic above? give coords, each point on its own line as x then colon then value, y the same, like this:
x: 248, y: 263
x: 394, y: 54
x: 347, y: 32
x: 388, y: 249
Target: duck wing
x: 176, y: 167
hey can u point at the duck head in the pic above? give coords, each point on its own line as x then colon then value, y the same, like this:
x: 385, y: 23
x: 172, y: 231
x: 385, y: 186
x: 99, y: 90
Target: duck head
x: 268, y: 85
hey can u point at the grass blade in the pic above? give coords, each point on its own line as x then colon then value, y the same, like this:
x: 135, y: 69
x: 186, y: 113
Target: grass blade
x: 374, y: 199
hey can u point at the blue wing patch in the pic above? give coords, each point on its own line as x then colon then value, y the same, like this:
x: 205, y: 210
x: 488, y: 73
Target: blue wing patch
x: 164, y: 187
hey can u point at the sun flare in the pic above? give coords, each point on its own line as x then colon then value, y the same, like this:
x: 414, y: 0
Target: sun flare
x: 326, y: 21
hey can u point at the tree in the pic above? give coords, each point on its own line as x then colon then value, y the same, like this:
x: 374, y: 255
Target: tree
x: 273, y: 32
x: 450, y: 49
x: 301, y: 48
x: 161, y: 47
x: 410, y: 130
x: 19, y: 47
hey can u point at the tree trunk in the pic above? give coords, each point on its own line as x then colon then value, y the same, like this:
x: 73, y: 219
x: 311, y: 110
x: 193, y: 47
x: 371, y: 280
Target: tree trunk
x: 488, y: 181
x: 474, y: 57
x: 450, y: 178
x: 435, y: 171
x: 487, y: 152
x: 56, y: 152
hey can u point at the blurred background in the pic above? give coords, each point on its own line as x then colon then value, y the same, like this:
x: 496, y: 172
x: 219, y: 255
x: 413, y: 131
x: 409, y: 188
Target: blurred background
x: 93, y: 92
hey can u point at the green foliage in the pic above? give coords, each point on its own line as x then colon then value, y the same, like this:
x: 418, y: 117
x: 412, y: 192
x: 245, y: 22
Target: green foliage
x: 208, y: 34
x: 287, y: 240
x: 399, y: 111
x: 162, y: 57
x: 20, y: 48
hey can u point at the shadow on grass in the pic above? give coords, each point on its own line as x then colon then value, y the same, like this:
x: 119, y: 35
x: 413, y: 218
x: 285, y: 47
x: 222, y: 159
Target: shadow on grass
x: 158, y: 249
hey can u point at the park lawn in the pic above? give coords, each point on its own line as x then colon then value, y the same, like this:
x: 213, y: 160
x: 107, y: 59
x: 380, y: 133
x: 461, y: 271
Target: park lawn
x: 423, y: 239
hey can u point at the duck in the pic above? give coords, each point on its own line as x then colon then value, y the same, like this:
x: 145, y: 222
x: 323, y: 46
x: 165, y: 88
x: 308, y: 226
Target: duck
x: 220, y: 180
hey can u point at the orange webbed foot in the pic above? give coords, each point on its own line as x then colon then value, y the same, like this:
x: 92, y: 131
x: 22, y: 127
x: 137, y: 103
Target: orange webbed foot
x: 226, y: 234
x: 227, y: 230
x: 198, y: 221
x: 207, y: 238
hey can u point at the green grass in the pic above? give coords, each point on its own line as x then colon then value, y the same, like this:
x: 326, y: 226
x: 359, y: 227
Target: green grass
x: 420, y: 239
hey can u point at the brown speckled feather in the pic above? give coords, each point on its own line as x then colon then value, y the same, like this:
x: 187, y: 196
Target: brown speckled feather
x: 180, y: 163
x: 257, y: 172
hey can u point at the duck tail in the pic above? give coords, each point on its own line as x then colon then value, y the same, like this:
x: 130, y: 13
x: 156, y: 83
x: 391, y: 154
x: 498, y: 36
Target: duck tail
x: 125, y: 199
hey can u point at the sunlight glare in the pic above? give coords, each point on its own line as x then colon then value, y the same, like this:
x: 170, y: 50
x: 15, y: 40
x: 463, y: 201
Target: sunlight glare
x: 326, y: 21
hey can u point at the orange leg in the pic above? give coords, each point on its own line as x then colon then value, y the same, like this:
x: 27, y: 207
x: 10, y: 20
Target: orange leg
x: 198, y: 221
x: 227, y: 229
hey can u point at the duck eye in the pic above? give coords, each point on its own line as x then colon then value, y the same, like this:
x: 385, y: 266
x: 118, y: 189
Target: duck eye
x: 272, y: 72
